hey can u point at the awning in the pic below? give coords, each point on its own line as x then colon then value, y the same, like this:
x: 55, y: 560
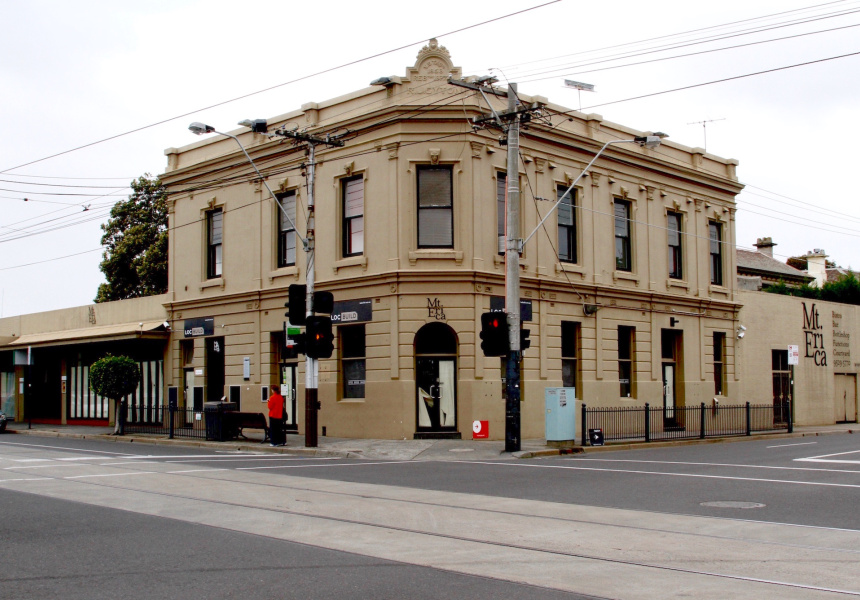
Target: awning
x: 101, y: 333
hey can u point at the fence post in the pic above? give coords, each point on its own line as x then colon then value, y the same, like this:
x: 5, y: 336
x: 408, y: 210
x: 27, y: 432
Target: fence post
x: 702, y: 421
x: 123, y: 408
x: 584, y: 427
x: 749, y: 425
x: 790, y: 417
x: 171, y: 411
x: 647, y: 422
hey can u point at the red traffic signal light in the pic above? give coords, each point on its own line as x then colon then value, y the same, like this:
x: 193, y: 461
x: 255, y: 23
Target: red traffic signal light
x: 319, y: 339
x: 494, y: 333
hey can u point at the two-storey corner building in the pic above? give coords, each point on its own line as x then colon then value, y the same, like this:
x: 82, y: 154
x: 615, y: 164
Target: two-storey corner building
x: 628, y: 290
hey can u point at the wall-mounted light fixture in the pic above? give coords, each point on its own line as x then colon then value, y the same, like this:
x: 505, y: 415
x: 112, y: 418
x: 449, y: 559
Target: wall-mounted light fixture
x: 590, y: 309
x: 741, y: 331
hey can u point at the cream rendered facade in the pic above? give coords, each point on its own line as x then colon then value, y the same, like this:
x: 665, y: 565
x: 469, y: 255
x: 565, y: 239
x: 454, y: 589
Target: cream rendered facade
x: 425, y: 299
x: 822, y: 386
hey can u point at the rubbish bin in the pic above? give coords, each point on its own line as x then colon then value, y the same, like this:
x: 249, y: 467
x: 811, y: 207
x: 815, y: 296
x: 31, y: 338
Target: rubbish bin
x: 212, y: 412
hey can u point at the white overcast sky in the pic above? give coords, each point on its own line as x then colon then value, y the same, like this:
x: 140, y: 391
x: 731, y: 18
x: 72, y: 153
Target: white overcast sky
x: 74, y: 73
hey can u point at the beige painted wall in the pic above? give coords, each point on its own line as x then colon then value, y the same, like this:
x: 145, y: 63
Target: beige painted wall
x: 773, y: 322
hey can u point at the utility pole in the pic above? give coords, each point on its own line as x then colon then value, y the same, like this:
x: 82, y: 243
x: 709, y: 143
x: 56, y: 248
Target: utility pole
x: 509, y: 122
x: 512, y: 277
x: 311, y: 364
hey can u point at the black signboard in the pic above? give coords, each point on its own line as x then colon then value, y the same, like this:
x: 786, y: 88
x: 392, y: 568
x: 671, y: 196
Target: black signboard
x: 497, y: 304
x: 352, y: 311
x: 199, y: 327
x: 595, y: 437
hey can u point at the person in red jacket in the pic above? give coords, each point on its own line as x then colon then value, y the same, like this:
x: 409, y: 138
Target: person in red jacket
x: 277, y: 435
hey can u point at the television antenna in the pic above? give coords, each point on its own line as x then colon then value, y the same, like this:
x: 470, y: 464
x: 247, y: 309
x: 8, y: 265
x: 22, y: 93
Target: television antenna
x: 704, y: 125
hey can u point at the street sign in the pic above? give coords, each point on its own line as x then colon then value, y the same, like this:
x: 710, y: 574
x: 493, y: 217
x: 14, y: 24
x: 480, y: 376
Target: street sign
x: 793, y: 355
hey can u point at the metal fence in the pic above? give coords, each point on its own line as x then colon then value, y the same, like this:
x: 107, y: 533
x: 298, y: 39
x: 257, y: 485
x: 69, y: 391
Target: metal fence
x: 180, y: 422
x: 647, y: 423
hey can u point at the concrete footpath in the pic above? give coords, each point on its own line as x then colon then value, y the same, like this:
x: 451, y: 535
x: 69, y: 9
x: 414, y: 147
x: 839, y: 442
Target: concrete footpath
x: 373, y: 449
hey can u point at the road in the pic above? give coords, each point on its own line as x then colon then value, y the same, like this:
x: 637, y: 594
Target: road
x: 770, y: 518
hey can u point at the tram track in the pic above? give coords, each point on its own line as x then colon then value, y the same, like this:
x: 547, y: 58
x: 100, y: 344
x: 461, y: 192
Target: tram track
x: 447, y: 536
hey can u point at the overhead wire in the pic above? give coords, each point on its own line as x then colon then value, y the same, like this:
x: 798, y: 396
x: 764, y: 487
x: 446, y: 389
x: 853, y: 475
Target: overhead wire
x: 267, y: 89
x: 673, y: 35
x: 698, y: 53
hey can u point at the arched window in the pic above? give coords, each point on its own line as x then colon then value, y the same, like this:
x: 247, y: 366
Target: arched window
x: 436, y: 338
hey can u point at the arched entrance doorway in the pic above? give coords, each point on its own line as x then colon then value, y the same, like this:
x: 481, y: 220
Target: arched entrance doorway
x: 436, y: 381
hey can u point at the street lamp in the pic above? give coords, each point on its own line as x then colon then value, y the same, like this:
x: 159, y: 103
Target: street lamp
x: 646, y: 141
x: 259, y: 126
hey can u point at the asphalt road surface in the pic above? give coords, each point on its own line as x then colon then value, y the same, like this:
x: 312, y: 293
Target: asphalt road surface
x: 771, y: 518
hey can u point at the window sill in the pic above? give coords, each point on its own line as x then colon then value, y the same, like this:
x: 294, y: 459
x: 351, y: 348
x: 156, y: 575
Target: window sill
x: 625, y: 276
x: 351, y: 261
x: 291, y: 271
x: 677, y: 283
x: 212, y: 283
x: 561, y: 267
x: 718, y: 289
x: 351, y: 401
x: 416, y: 255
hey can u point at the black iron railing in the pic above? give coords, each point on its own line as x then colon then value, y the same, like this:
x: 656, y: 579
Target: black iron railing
x: 179, y: 422
x: 651, y: 423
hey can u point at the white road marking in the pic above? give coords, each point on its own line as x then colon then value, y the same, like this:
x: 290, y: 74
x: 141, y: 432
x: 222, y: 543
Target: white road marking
x: 789, y: 445
x: 194, y: 471
x: 704, y: 464
x: 26, y: 479
x: 112, y: 475
x: 362, y: 464
x: 728, y: 478
x: 64, y: 448
x: 826, y: 458
x: 53, y: 466
x: 221, y: 459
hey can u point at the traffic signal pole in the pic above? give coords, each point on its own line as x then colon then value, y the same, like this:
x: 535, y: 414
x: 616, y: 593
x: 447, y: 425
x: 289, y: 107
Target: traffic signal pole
x: 512, y: 279
x: 311, y: 364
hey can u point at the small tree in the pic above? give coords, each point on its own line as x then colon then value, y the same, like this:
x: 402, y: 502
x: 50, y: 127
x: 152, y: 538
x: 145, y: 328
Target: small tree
x: 115, y: 377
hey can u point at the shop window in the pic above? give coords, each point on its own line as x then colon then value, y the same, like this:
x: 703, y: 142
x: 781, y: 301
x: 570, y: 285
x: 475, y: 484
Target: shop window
x: 674, y: 234
x: 715, y: 231
x: 186, y: 348
x: 566, y: 225
x: 435, y: 206
x: 626, y: 372
x: 353, y: 348
x: 352, y: 207
x: 719, y: 363
x: 286, y: 229
x: 214, y: 256
x: 570, y: 350
x: 623, y: 260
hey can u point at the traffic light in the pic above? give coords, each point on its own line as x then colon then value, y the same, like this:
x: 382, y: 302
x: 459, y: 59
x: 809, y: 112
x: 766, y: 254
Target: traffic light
x: 525, y: 342
x: 323, y: 302
x: 319, y: 339
x: 494, y: 333
x: 297, y: 342
x: 298, y: 304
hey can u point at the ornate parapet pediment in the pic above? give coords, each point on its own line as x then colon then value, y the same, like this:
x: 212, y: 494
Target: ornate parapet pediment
x: 430, y: 74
